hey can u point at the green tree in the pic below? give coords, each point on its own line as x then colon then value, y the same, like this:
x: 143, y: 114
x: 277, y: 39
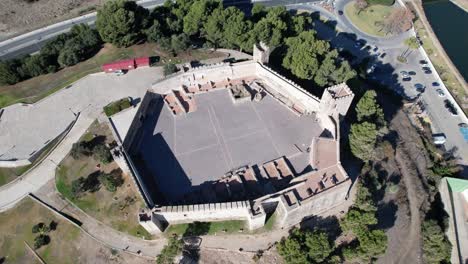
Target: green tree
x: 301, y: 23
x: 40, y: 228
x: 180, y: 42
x: 303, y: 54
x: 41, y: 240
x: 362, y: 140
x: 69, y: 56
x: 155, y: 32
x: 8, y: 74
x: 236, y: 29
x: 436, y: 247
x: 120, y: 22
x: 170, y: 251
x: 318, y: 245
x: 111, y: 181
x: 357, y: 221
x: 272, y: 28
x: 102, y: 153
x: 169, y: 69
x: 198, y: 14
x: 213, y: 28
x: 258, y: 12
x: 290, y: 249
x: 411, y: 43
x: 367, y: 109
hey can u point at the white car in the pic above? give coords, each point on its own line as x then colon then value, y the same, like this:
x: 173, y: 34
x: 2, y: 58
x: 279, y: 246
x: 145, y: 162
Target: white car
x: 440, y: 93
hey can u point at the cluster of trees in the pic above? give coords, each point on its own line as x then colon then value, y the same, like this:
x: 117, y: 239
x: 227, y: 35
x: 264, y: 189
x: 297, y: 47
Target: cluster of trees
x: 303, y: 246
x: 313, y: 59
x: 206, y: 22
x: 399, y: 20
x: 66, y: 49
x: 99, y: 151
x: 361, y: 221
x: 370, y: 124
x: 436, y: 247
x: 92, y: 183
x: 42, y: 230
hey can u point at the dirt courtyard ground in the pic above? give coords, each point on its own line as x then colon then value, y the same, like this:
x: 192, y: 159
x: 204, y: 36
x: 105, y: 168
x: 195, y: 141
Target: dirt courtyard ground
x: 20, y: 16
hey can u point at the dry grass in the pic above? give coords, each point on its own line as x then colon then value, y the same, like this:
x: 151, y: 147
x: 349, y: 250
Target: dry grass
x: 367, y: 18
x: 118, y: 209
x: 15, y: 228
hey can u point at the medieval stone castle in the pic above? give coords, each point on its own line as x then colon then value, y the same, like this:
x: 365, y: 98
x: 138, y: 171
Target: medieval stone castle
x: 249, y: 192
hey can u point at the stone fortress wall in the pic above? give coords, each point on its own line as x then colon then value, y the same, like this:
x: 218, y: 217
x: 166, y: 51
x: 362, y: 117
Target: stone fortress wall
x: 333, y: 104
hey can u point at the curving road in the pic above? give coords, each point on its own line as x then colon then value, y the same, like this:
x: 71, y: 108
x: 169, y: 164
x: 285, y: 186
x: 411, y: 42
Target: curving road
x: 33, y: 41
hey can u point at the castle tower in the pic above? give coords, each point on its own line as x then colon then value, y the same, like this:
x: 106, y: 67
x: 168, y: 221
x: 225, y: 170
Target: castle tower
x: 261, y: 53
x: 336, y: 100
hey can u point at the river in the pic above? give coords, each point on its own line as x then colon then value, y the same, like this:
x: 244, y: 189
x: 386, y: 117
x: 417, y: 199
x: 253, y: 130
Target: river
x: 450, y: 24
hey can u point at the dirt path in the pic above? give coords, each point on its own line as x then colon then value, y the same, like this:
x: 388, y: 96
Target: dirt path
x: 412, y: 247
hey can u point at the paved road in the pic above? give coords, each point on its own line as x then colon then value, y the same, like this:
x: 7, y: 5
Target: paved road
x: 32, y: 42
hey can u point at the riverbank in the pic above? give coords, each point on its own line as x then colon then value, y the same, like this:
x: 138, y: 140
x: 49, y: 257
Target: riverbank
x: 463, y: 4
x: 449, y: 73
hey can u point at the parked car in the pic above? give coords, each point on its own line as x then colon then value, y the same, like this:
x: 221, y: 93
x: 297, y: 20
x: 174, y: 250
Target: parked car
x: 419, y: 87
x: 404, y: 74
x: 407, y: 79
x: 439, y: 139
x: 435, y: 84
x: 340, y: 12
x: 450, y: 107
x: 412, y: 73
x: 423, y: 62
x: 427, y: 71
x: 464, y: 130
x: 440, y: 93
x: 119, y: 72
x: 383, y: 55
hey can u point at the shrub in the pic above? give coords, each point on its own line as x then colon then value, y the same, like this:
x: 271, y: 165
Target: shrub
x: 170, y: 68
x: 41, y: 240
x: 102, y: 153
x: 79, y: 149
x: 111, y: 180
x: 170, y: 251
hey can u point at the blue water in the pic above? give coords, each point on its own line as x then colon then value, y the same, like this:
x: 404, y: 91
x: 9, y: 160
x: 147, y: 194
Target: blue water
x: 450, y: 24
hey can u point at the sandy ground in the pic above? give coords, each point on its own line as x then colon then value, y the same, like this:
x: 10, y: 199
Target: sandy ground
x: 19, y: 16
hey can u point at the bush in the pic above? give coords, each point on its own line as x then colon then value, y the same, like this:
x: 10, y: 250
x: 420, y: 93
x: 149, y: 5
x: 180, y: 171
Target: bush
x: 111, y: 180
x: 79, y: 149
x: 102, y: 153
x: 40, y: 228
x: 170, y: 251
x: 170, y: 68
x: 41, y: 240
x: 8, y: 74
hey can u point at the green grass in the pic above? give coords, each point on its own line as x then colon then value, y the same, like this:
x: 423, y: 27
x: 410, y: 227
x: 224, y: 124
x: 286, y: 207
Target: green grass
x: 366, y: 19
x: 210, y: 228
x: 117, y: 106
